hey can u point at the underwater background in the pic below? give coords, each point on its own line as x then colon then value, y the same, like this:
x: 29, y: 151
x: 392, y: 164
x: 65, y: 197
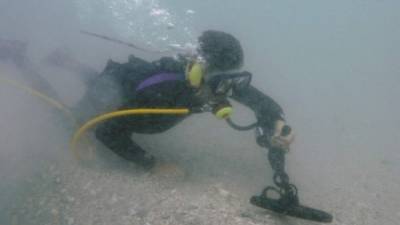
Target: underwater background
x: 333, y: 66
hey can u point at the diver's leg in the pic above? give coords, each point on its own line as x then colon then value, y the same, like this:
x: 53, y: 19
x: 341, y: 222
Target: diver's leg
x: 116, y: 135
x: 63, y: 60
x: 13, y: 51
x: 37, y: 81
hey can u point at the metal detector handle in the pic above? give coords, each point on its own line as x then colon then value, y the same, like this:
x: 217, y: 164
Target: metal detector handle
x: 276, y: 159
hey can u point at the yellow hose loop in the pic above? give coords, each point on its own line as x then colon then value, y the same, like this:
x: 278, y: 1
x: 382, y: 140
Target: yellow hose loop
x: 78, y: 134
x: 36, y: 93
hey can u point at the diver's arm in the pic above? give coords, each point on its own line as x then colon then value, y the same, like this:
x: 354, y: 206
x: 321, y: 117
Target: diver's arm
x: 265, y: 108
x: 274, y: 131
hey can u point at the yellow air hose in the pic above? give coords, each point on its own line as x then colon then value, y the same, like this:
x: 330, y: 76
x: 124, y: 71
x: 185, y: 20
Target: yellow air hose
x: 78, y: 134
x: 36, y: 93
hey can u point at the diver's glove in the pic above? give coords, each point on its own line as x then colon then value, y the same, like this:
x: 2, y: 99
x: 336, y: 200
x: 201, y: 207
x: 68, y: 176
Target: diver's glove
x: 282, y: 136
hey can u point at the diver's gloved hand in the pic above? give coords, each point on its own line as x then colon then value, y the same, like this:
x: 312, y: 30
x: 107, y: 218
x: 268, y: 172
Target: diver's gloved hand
x: 282, y: 136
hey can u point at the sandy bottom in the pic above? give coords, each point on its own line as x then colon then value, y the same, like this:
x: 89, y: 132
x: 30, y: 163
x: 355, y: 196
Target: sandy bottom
x: 83, y: 193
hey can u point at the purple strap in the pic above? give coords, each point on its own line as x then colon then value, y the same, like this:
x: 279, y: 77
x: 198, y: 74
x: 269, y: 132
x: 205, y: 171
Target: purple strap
x: 158, y: 78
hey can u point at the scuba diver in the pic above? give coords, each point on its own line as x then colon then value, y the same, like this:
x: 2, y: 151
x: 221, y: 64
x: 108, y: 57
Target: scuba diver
x: 201, y: 82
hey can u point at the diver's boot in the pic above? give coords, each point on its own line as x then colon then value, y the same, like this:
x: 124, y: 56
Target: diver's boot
x: 144, y: 160
x: 122, y: 145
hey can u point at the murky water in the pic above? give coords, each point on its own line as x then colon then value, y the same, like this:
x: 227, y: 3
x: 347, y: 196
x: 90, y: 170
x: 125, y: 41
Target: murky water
x: 332, y: 66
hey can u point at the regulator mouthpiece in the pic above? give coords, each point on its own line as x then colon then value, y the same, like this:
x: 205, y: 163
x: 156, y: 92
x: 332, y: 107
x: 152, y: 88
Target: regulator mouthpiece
x: 223, y: 110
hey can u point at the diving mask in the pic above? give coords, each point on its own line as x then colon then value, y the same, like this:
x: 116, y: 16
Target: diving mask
x: 220, y: 83
x: 223, y: 84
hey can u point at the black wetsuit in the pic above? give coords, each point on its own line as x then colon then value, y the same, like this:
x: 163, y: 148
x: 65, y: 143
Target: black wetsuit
x: 171, y: 92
